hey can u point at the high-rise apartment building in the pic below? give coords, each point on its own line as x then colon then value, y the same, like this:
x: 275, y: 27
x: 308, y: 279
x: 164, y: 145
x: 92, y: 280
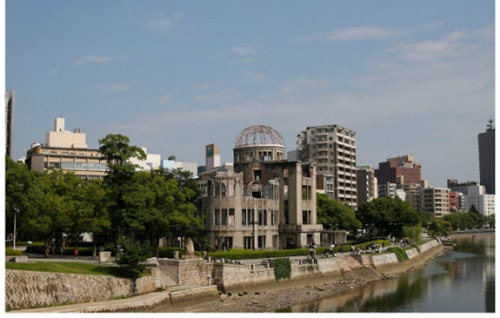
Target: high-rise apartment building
x: 486, y: 143
x: 401, y: 170
x: 366, y: 183
x: 333, y: 149
x: 436, y: 201
x: 212, y: 156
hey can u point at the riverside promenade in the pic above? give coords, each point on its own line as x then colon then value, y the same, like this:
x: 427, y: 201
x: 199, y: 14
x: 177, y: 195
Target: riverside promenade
x: 260, y: 297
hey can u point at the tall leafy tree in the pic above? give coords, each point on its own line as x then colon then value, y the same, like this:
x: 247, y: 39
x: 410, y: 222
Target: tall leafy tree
x: 178, y: 202
x: 119, y: 180
x: 334, y: 214
x: 19, y: 182
x: 387, y: 216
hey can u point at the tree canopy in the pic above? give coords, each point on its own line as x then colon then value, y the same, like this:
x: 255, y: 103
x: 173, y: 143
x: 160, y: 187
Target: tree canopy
x: 387, y: 216
x: 334, y: 214
x: 143, y: 206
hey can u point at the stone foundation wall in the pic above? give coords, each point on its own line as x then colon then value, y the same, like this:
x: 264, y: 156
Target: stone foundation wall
x: 26, y: 289
x: 193, y: 272
x: 229, y: 275
x: 383, y: 259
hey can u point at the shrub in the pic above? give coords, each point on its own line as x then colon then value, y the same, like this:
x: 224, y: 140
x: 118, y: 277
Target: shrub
x: 168, y: 252
x: 238, y: 254
x: 11, y: 252
x: 282, y: 268
x: 400, y: 253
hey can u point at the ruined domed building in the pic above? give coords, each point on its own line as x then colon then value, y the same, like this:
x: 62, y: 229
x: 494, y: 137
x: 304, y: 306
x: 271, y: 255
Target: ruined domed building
x: 262, y: 201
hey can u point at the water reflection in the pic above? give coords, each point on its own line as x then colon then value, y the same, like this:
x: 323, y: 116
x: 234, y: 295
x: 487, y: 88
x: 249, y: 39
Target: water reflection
x: 462, y: 280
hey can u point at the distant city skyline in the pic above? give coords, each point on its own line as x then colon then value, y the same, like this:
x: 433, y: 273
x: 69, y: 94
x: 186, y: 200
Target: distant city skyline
x: 413, y: 77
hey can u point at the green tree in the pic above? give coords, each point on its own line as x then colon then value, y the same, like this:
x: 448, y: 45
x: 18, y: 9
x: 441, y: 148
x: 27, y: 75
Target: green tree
x: 334, y: 214
x: 120, y: 181
x: 18, y: 184
x: 131, y: 255
x: 387, y: 216
x: 414, y: 233
x: 178, y: 193
x: 439, y: 227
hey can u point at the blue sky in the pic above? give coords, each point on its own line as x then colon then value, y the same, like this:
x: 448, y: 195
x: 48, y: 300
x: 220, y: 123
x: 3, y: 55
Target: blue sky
x: 410, y: 77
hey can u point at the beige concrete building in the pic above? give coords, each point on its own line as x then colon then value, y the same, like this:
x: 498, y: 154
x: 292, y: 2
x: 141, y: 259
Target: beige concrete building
x: 333, y: 149
x: 367, y: 184
x: 66, y: 151
x: 436, y: 201
x: 263, y: 201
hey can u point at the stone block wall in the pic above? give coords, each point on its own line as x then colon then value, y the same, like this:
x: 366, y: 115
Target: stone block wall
x: 428, y: 245
x: 193, y: 272
x: 26, y: 289
x: 229, y: 275
x: 412, y: 253
x: 383, y: 259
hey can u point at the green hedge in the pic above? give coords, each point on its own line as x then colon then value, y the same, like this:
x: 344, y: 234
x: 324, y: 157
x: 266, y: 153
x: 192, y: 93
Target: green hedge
x: 11, y: 252
x: 40, y: 249
x: 238, y: 254
x: 168, y: 252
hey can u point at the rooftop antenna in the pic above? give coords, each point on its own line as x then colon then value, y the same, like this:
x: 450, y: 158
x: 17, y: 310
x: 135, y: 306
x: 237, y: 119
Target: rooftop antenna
x: 490, y: 125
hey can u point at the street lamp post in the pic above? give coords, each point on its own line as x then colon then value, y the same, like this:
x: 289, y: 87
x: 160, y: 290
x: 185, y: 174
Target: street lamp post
x: 16, y: 210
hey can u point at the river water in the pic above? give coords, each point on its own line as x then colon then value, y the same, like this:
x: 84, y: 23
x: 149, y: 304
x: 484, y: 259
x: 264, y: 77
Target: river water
x: 461, y: 280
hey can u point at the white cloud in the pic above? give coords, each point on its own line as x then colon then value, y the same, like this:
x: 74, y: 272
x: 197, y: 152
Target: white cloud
x: 244, y: 50
x: 396, y: 106
x: 99, y: 59
x: 349, y: 34
x: 111, y: 88
x: 256, y: 78
x: 360, y: 33
x: 164, y: 99
x: 170, y: 26
x: 215, y: 97
x: 303, y: 84
x: 164, y: 24
x: 448, y: 46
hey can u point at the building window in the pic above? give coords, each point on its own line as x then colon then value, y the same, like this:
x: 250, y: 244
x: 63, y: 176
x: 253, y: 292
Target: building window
x: 275, y: 241
x: 261, y: 241
x: 217, y: 217
x: 256, y: 174
x: 248, y: 242
x: 274, y: 217
x: 306, y: 192
x: 230, y: 219
x: 224, y: 242
x: 285, y: 214
x: 246, y: 217
x: 262, y: 217
x: 306, y: 217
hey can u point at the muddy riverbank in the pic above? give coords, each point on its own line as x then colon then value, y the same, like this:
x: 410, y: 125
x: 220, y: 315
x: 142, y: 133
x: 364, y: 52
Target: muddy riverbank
x: 285, y: 293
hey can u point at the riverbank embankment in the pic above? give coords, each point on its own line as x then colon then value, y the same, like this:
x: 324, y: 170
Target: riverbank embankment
x: 256, y: 290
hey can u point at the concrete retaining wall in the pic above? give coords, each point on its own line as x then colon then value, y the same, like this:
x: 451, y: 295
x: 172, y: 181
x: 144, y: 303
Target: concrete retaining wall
x: 25, y: 289
x: 193, y: 272
x: 412, y: 253
x: 383, y: 259
x: 229, y: 275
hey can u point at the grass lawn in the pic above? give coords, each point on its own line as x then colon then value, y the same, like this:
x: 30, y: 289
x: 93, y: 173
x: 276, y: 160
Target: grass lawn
x: 64, y: 267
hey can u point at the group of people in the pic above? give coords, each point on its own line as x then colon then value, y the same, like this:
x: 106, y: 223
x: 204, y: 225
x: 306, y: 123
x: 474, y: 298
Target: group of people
x: 312, y: 250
